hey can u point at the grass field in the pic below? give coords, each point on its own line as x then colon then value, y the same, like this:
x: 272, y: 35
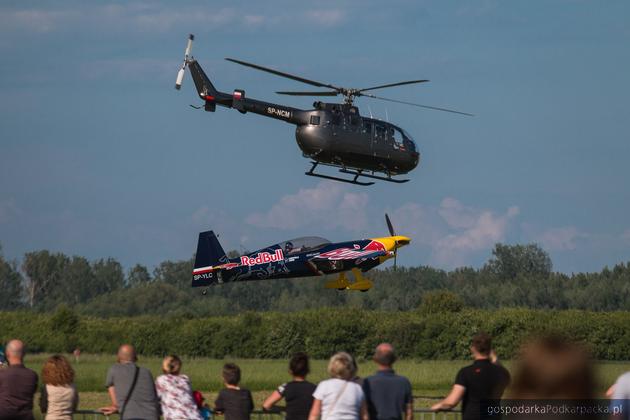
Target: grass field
x: 428, y: 377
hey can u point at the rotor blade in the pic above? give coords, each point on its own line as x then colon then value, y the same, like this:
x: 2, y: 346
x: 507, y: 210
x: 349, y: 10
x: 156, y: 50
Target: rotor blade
x: 282, y: 74
x: 389, y: 225
x: 418, y: 105
x: 324, y: 93
x: 410, y: 82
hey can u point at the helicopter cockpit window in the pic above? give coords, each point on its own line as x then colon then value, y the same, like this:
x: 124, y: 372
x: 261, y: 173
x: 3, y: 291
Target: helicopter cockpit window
x: 307, y: 243
x: 314, y: 119
x: 408, y: 141
x: 398, y: 136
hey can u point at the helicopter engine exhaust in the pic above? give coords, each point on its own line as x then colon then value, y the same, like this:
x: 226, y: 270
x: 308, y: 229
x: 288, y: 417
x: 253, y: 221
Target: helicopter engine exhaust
x: 182, y: 70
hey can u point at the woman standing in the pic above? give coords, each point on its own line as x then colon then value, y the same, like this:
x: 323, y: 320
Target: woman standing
x: 339, y: 398
x: 59, y: 397
x: 175, y: 392
x: 298, y: 393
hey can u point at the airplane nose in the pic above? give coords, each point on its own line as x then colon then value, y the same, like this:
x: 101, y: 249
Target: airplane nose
x: 402, y: 241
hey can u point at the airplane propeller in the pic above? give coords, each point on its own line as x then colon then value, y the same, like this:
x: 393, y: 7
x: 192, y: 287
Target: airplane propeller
x: 390, y: 227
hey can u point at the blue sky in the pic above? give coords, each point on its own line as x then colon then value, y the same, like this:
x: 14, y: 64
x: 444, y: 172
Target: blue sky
x: 100, y: 156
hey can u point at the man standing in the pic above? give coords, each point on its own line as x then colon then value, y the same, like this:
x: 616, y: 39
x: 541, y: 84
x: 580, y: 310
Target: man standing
x: 484, y: 380
x: 131, y: 388
x: 388, y: 395
x: 18, y: 385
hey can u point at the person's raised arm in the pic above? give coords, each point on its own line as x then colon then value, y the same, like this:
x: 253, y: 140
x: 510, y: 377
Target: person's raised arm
x: 272, y: 400
x: 452, y: 399
x: 316, y: 410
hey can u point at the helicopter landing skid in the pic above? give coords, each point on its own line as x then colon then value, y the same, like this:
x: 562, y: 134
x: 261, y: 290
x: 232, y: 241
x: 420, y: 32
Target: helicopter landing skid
x: 381, y: 178
x: 334, y: 178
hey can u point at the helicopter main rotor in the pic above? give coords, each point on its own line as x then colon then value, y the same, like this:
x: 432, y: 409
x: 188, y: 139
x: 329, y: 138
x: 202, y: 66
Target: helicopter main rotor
x: 348, y: 93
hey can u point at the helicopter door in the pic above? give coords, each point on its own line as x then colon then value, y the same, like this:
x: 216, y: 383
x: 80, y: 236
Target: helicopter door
x: 379, y: 144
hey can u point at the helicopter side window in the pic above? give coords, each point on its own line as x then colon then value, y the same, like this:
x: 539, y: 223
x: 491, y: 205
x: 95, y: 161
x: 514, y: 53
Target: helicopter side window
x: 380, y: 132
x: 367, y: 127
x: 314, y: 119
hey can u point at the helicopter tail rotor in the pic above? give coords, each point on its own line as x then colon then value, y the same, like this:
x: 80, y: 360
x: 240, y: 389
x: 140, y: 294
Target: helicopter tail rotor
x: 182, y: 70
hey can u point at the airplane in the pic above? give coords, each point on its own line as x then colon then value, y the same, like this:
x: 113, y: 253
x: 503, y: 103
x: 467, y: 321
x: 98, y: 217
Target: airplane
x: 300, y: 257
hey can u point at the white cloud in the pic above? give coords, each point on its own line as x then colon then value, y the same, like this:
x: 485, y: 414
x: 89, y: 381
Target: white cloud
x: 559, y: 239
x: 36, y: 20
x: 470, y: 231
x: 328, y: 204
x: 329, y: 17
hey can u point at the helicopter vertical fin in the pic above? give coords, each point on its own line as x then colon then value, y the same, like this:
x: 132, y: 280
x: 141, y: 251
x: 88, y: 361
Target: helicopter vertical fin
x: 203, y: 84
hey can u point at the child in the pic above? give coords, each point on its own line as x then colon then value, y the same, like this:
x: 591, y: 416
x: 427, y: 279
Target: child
x: 235, y: 403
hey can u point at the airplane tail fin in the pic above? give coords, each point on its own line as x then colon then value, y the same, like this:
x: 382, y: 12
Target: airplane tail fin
x: 209, y: 254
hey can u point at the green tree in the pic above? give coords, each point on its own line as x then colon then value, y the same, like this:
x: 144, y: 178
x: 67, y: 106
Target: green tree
x: 108, y: 276
x: 511, y: 260
x: 10, y: 285
x: 138, y: 275
x: 176, y: 273
x: 77, y: 282
x: 439, y: 301
x: 43, y: 275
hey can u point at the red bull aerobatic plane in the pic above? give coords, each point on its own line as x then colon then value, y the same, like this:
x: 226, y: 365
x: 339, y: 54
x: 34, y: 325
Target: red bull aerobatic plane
x: 300, y: 257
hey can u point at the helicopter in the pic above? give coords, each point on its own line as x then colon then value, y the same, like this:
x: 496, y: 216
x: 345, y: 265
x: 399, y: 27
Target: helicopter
x: 330, y: 134
x: 301, y: 257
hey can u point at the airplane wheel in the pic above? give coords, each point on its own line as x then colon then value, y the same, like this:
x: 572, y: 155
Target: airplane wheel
x: 341, y: 289
x: 364, y: 290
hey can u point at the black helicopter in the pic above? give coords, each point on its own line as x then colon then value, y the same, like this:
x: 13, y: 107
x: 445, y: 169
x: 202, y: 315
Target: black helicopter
x: 332, y: 134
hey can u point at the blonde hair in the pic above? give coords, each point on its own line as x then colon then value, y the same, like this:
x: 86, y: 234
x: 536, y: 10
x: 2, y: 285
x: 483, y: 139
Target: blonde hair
x: 171, y: 365
x: 342, y: 366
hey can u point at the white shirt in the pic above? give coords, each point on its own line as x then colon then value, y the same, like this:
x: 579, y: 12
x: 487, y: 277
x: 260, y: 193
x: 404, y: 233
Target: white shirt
x: 622, y: 387
x: 348, y: 405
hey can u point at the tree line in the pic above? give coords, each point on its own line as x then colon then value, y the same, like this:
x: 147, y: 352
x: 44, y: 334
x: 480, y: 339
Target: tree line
x: 514, y: 276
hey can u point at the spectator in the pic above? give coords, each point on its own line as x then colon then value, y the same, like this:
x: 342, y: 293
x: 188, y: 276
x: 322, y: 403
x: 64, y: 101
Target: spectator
x: 552, y: 367
x: 175, y: 392
x: 234, y: 402
x: 77, y: 354
x: 388, y: 395
x: 620, y: 394
x: 18, y: 385
x: 131, y: 388
x: 339, y: 398
x: 298, y: 393
x: 484, y: 380
x: 59, y: 397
